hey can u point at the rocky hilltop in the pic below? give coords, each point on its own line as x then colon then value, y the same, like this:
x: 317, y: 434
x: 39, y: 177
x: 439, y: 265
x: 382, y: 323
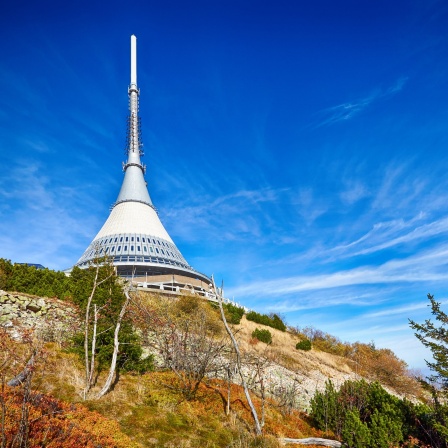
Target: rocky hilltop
x: 51, y: 318
x: 296, y: 373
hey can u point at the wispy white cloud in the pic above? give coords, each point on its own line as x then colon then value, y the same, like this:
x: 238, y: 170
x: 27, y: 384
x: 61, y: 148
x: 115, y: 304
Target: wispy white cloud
x: 231, y: 216
x: 320, y: 299
x: 344, y: 111
x: 45, y: 220
x: 348, y: 110
x: 420, y: 233
x: 308, y: 206
x: 427, y: 266
x: 354, y: 192
x: 401, y: 310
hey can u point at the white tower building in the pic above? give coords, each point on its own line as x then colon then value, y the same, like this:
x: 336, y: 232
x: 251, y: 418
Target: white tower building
x: 133, y: 235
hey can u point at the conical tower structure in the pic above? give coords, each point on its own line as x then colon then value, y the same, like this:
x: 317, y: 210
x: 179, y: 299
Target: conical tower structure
x: 133, y: 236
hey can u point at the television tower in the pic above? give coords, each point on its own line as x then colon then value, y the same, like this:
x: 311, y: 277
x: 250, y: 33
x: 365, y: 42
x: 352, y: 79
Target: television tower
x: 133, y: 237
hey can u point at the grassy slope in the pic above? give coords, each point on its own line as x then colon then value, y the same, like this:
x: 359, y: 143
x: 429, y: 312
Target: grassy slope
x: 151, y: 411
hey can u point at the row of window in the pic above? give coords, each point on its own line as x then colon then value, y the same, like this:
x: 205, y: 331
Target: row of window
x: 128, y: 243
x: 127, y: 239
x: 137, y: 259
x: 146, y: 249
x: 150, y: 250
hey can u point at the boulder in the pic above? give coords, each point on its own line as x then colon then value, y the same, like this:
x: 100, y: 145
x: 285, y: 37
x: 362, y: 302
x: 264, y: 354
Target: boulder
x: 33, y: 306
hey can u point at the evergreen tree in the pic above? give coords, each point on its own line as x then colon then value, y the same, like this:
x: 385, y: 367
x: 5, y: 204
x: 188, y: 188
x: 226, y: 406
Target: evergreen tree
x: 435, y: 337
x: 385, y: 431
x: 355, y: 433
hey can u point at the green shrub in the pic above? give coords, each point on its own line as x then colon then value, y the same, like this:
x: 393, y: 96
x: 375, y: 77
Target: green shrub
x: 365, y: 415
x: 109, y: 297
x: 77, y: 288
x: 273, y: 321
x: 304, y: 345
x: 262, y: 335
x: 28, y: 279
x: 233, y: 313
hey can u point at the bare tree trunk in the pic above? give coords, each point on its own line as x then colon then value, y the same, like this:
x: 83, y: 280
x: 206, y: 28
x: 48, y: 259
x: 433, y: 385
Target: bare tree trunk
x: 312, y: 441
x: 3, y: 405
x: 20, y: 379
x: 86, y: 334
x: 238, y: 361
x: 89, y: 371
x: 229, y: 384
x: 113, y: 363
x: 263, y: 393
x: 92, y: 360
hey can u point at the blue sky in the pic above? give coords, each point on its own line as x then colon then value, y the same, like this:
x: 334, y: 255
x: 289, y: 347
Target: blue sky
x: 297, y: 150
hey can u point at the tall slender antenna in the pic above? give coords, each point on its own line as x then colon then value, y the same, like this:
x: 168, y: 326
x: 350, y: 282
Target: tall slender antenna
x: 133, y: 142
x: 133, y: 60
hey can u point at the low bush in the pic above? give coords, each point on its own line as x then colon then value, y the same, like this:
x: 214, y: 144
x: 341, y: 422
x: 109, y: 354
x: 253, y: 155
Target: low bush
x: 377, y: 364
x: 304, y: 345
x: 364, y: 414
x: 273, y: 321
x: 233, y: 313
x: 262, y: 335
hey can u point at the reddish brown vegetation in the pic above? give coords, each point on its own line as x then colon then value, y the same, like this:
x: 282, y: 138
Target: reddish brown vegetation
x: 53, y: 423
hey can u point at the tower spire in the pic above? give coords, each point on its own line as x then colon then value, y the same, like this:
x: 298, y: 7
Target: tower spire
x: 133, y: 60
x: 134, y: 185
x: 133, y: 236
x: 134, y: 132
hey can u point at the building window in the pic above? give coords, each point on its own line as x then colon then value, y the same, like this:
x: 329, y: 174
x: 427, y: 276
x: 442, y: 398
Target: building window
x: 132, y: 247
x: 151, y: 249
x: 138, y: 248
x: 119, y: 248
x: 115, y: 240
x: 121, y: 239
x: 113, y: 249
x: 143, y: 240
x: 132, y: 238
x: 127, y: 239
x: 157, y: 250
x: 125, y: 248
x: 138, y: 239
x: 145, y: 249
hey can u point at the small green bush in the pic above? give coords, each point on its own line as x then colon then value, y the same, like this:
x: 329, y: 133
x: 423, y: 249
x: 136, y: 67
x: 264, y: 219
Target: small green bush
x: 304, y: 345
x: 273, y: 320
x: 233, y: 313
x: 262, y: 335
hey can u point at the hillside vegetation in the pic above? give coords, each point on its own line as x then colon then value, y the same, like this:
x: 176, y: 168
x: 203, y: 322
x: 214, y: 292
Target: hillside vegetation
x: 177, y: 380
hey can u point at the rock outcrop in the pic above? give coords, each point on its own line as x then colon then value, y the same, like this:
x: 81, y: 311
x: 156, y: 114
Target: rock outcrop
x: 50, y: 318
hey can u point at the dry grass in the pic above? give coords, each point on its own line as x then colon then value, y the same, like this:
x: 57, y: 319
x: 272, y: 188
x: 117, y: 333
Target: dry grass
x: 313, y: 364
x: 153, y: 414
x: 283, y: 351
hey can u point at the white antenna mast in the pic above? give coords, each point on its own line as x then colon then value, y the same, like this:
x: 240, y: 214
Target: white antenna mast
x: 134, y: 145
x: 133, y: 60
